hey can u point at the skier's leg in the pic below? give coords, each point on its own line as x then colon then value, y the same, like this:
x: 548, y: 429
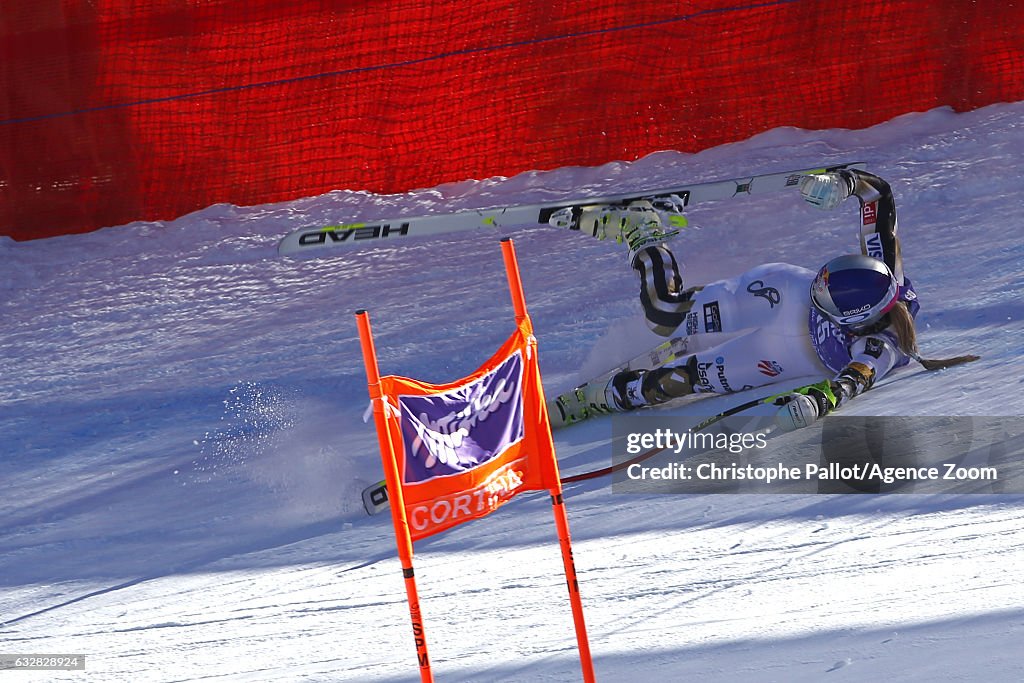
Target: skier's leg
x: 644, y: 228
x: 744, y: 332
x: 664, y: 301
x: 635, y: 389
x: 758, y: 357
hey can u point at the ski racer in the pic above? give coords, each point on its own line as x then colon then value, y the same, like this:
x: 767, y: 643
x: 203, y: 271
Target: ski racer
x: 853, y: 320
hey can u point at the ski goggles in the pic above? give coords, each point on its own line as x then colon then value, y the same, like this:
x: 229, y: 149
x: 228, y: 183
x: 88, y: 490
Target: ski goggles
x: 861, y: 319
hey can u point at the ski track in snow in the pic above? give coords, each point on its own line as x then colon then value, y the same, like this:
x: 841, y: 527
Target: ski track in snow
x: 183, y: 449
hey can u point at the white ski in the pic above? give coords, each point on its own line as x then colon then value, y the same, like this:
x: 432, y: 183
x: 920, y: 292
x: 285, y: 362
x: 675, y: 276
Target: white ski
x: 375, y: 497
x: 399, y: 228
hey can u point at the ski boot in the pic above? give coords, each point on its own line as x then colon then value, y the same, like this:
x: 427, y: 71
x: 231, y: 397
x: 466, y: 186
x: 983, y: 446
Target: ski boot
x: 639, y: 224
x: 580, y: 404
x: 622, y: 392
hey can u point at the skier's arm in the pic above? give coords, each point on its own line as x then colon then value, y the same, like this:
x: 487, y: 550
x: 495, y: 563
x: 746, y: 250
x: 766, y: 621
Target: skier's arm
x: 878, y: 220
x: 872, y: 358
x: 878, y: 226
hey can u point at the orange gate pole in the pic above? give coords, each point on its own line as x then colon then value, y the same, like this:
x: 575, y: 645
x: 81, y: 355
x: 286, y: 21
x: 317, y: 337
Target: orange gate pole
x: 515, y: 285
x: 398, y: 518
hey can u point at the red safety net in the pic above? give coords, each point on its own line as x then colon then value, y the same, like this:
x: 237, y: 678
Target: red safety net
x: 117, y: 110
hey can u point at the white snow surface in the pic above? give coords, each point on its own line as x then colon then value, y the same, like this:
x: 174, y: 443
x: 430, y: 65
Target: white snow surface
x: 182, y: 445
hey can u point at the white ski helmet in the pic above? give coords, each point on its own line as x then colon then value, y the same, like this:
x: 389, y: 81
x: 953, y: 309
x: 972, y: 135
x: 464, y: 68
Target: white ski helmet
x: 854, y: 291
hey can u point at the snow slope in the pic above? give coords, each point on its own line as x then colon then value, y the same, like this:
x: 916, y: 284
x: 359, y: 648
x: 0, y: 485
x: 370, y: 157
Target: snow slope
x: 181, y: 443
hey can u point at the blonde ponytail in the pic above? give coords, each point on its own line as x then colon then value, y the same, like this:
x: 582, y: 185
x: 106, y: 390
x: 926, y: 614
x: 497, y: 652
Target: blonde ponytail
x: 902, y: 323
